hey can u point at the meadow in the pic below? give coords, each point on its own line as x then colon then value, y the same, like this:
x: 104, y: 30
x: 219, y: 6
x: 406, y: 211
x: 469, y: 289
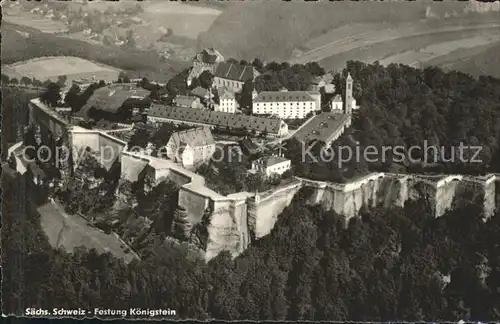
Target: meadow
x: 485, y: 62
x: 272, y: 30
x: 383, y: 51
x: 20, y: 43
x: 72, y: 231
x: 73, y: 67
x: 44, y: 25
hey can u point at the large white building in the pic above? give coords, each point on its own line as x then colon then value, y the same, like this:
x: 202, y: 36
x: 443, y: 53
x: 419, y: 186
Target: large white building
x: 227, y: 101
x: 286, y: 104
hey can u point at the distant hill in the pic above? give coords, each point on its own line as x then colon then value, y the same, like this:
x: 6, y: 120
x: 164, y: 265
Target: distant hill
x: 21, y: 43
x: 485, y: 63
x: 271, y: 30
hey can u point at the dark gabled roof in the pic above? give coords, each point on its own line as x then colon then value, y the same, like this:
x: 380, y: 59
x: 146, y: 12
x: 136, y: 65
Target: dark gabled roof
x: 194, y: 137
x: 336, y: 98
x: 225, y: 93
x: 284, y: 96
x: 200, y: 92
x: 186, y: 101
x: 236, y: 72
x: 321, y: 127
x: 209, y: 56
x: 249, y: 146
x: 216, y: 118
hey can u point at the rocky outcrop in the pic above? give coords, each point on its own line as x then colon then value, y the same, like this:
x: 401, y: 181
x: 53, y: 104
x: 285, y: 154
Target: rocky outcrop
x: 238, y: 219
x: 181, y: 227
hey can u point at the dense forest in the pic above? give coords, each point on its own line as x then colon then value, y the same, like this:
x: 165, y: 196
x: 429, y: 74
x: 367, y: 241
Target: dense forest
x: 403, y: 106
x: 396, y: 264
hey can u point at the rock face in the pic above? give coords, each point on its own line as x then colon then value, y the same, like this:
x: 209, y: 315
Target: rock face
x: 236, y: 222
x: 181, y: 226
x: 238, y: 219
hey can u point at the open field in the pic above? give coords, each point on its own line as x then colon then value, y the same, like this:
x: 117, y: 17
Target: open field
x: 72, y: 231
x: 44, y: 25
x: 20, y: 43
x: 184, y: 20
x: 408, y: 31
x: 418, y: 56
x: 382, y: 50
x: 485, y: 62
x: 73, y: 67
x: 271, y: 30
x: 150, y: 22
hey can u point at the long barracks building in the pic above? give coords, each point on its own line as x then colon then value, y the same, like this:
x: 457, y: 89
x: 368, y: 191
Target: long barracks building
x: 214, y: 119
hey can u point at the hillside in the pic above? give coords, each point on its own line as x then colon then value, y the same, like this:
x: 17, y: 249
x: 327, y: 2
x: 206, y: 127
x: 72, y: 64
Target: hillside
x: 486, y: 62
x: 272, y: 30
x: 21, y: 43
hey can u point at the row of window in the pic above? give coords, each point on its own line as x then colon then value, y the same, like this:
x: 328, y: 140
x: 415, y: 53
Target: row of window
x: 280, y: 168
x: 234, y: 84
x: 285, y: 103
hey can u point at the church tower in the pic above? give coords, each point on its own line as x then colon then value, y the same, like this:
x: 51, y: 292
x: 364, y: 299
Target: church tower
x: 348, y: 95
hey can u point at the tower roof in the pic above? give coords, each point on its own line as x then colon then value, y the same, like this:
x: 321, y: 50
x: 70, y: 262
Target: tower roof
x: 349, y: 77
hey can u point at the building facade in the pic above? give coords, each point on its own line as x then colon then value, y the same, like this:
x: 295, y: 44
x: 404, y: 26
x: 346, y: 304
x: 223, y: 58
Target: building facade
x: 188, y: 101
x: 227, y: 101
x: 337, y: 104
x: 214, y: 119
x: 286, y: 104
x: 233, y: 76
x: 191, y: 147
x: 206, y: 60
x: 272, y: 165
x: 350, y: 102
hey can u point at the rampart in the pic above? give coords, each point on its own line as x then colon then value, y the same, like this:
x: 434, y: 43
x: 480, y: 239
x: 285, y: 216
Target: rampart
x: 241, y: 218
x: 238, y: 219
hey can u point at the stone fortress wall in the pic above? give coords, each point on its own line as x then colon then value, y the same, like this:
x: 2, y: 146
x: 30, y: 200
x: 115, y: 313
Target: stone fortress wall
x: 240, y: 218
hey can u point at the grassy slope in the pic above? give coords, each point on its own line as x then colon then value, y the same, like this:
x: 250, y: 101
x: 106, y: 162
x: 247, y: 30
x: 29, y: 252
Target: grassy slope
x: 16, y: 47
x: 487, y: 62
x: 271, y: 30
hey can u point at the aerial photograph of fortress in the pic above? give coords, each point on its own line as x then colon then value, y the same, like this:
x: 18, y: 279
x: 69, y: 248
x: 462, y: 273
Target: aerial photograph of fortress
x: 251, y: 160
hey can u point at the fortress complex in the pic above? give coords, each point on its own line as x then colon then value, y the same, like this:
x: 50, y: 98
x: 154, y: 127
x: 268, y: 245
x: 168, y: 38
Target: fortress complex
x: 238, y: 219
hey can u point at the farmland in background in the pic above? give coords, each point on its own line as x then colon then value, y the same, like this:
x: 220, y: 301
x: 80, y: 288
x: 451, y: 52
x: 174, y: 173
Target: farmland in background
x: 20, y: 43
x: 74, y: 68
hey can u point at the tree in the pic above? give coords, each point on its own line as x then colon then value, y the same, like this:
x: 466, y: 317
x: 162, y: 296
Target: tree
x: 14, y: 81
x: 52, y: 95
x: 61, y: 80
x: 25, y: 80
x: 72, y: 97
x: 140, y: 138
x: 123, y: 78
x: 12, y: 161
x: 258, y: 65
x: 5, y: 79
x: 37, y: 83
x: 206, y: 79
